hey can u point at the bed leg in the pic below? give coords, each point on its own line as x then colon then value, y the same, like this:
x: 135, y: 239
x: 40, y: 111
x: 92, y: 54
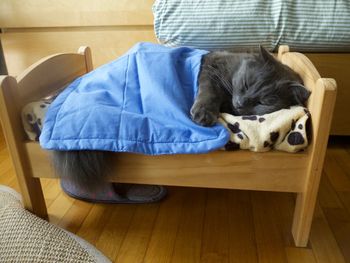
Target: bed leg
x: 10, y: 116
x: 303, y: 215
x: 306, y: 200
x: 33, y: 198
x: 325, y: 94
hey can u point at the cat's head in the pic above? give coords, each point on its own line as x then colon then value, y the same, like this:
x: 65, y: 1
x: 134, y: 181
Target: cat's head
x: 264, y: 85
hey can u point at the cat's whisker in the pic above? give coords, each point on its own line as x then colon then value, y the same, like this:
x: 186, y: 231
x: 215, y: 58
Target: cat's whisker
x: 216, y: 75
x: 217, y: 78
x: 224, y: 80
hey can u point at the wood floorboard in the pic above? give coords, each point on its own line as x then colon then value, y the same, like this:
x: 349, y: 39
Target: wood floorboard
x: 339, y: 222
x: 134, y: 245
x: 115, y: 228
x: 74, y: 217
x: 161, y: 246
x: 322, y: 240
x: 300, y: 255
x: 268, y: 234
x: 335, y: 173
x: 59, y: 207
x: 215, y: 238
x: 96, y: 224
x: 187, y: 248
x: 242, y: 243
x: 208, y: 225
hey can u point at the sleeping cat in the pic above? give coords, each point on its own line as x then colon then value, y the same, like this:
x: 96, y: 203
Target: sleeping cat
x: 236, y: 83
x: 245, y: 84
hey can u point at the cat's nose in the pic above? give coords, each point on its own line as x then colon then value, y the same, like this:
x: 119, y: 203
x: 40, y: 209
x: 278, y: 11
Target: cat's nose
x: 239, y: 104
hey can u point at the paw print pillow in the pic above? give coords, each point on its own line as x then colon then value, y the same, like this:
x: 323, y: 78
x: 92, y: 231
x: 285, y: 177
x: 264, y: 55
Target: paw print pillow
x: 33, y: 115
x: 284, y: 130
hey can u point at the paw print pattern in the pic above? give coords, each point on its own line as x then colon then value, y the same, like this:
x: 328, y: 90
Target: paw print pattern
x: 234, y: 127
x: 232, y: 146
x: 274, y: 136
x: 295, y: 138
x: 251, y: 118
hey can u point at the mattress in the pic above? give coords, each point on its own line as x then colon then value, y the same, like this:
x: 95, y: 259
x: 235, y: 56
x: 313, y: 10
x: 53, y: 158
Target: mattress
x: 305, y: 25
x: 289, y: 133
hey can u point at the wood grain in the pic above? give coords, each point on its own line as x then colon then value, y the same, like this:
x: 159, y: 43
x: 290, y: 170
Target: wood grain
x: 22, y: 49
x: 300, y: 255
x: 323, y: 241
x: 238, y: 170
x: 59, y: 13
x: 242, y: 243
x: 187, y: 247
x: 136, y: 240
x: 163, y: 238
x: 115, y: 228
x: 269, y: 239
x: 116, y: 233
x: 215, y: 236
x: 337, y: 66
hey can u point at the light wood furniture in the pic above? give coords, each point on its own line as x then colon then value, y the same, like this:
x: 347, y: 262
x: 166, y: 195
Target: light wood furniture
x: 272, y: 171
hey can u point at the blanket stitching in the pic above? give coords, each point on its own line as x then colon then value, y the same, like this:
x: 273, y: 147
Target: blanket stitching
x: 213, y: 139
x: 125, y: 86
x: 60, y: 108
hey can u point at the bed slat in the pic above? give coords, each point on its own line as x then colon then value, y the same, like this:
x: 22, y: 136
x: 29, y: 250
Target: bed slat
x: 220, y: 169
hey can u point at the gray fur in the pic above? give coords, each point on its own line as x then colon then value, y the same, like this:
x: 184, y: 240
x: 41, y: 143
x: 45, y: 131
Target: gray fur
x: 245, y: 84
x: 87, y: 169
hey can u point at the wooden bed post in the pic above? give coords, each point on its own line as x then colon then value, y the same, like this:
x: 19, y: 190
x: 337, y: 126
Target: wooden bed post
x: 325, y: 94
x: 86, y: 51
x: 31, y: 190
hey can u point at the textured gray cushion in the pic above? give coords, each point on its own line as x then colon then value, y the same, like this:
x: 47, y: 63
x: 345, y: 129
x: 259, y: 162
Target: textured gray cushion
x: 27, y: 238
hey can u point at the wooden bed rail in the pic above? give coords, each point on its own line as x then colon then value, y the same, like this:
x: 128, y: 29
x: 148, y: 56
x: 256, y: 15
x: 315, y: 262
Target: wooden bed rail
x: 219, y: 169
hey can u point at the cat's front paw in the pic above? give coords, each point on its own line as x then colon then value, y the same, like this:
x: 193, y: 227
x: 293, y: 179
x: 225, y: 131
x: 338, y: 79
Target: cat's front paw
x: 203, y: 116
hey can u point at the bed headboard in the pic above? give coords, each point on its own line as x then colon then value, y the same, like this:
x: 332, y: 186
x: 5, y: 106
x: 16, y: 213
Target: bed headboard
x: 323, y: 91
x: 52, y: 73
x: 39, y: 80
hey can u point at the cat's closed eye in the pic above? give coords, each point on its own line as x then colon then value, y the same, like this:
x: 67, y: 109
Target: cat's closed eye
x: 269, y: 100
x: 244, y: 86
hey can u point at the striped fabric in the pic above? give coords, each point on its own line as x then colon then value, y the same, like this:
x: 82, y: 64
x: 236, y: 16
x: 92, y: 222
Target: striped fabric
x: 305, y: 25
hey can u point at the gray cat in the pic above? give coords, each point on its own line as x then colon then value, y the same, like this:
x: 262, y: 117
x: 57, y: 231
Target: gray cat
x: 236, y: 83
x: 245, y: 84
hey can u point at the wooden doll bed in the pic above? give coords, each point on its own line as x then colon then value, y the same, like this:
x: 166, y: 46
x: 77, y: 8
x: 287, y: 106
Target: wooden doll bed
x: 272, y: 171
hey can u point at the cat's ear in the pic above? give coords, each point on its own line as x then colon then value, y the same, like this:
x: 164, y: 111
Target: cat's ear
x: 300, y: 93
x: 266, y: 55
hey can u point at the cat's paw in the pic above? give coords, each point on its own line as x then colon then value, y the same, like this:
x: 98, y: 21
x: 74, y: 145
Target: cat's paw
x: 203, y: 116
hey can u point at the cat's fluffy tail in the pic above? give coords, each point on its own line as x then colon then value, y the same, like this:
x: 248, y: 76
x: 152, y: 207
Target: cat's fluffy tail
x: 87, y: 169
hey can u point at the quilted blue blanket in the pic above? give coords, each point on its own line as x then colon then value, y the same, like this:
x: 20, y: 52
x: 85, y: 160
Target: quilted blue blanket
x: 138, y: 103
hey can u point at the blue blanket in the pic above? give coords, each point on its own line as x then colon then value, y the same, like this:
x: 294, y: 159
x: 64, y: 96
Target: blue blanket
x: 138, y: 103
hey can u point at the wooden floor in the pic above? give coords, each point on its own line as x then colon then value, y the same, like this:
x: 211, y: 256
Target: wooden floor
x: 207, y: 225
